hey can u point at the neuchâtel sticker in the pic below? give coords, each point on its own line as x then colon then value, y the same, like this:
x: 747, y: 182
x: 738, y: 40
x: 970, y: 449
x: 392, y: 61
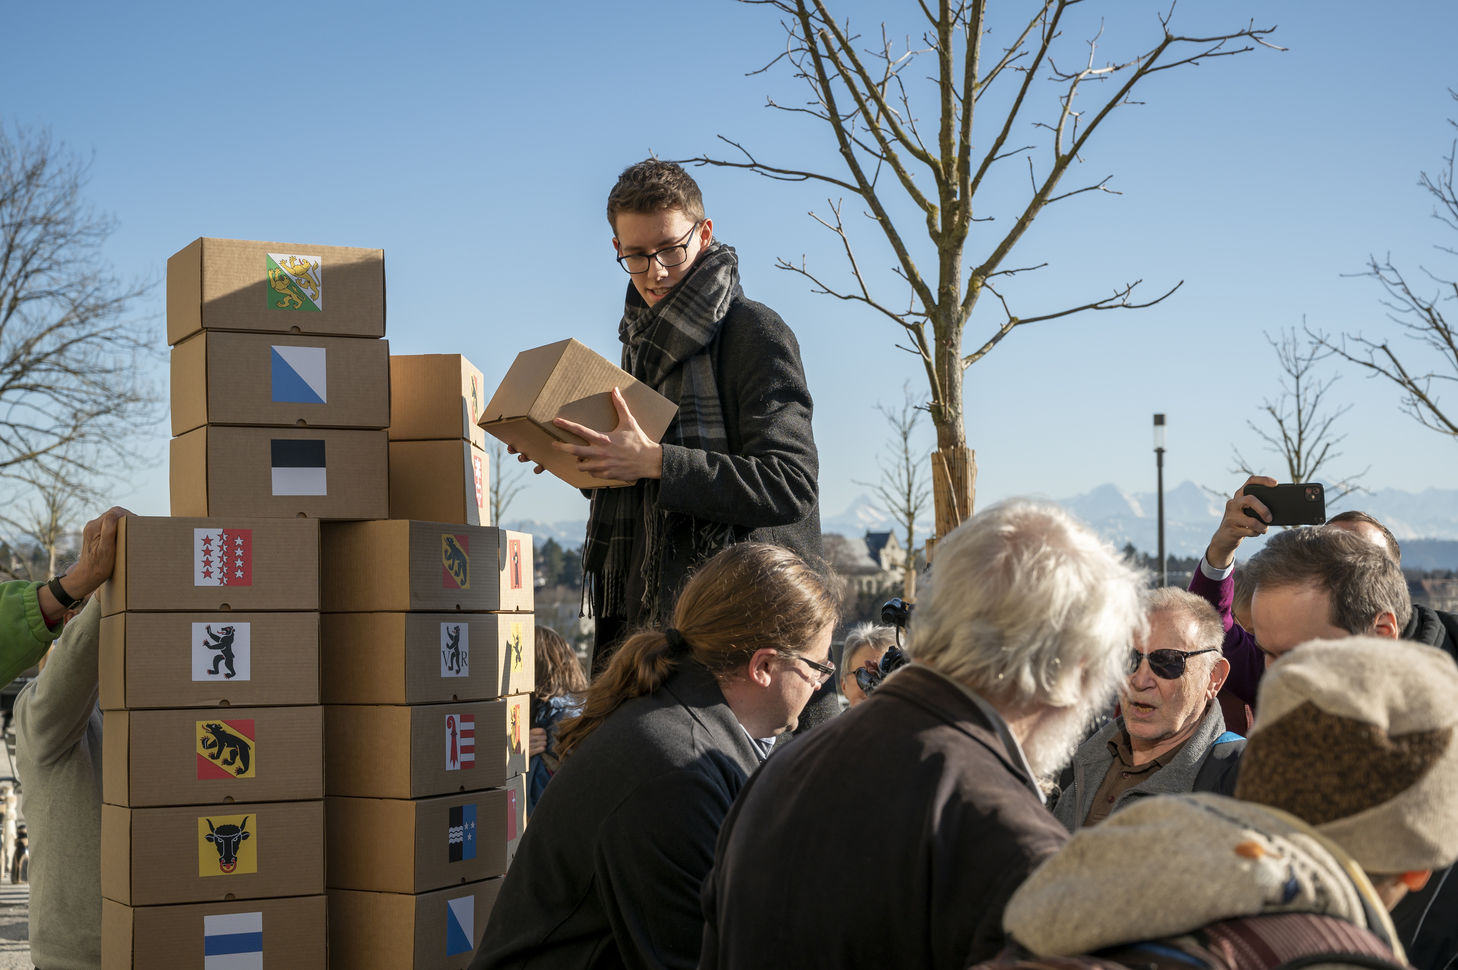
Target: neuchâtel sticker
x: 295, y: 282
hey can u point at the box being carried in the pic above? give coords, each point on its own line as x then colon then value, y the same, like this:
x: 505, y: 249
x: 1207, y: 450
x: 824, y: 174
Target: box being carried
x: 313, y: 472
x: 435, y: 397
x: 157, y: 660
x: 394, y: 931
x: 413, y: 752
x: 158, y: 856
x: 178, y: 564
x: 398, y: 565
x: 191, y: 757
x: 274, y: 934
x: 425, y: 658
x: 441, y: 481
x: 279, y: 380
x: 261, y: 287
x: 417, y: 845
x: 568, y: 380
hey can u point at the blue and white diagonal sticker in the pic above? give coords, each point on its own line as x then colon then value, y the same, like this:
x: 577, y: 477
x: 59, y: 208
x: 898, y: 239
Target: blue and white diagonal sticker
x: 299, y: 374
x: 460, y: 925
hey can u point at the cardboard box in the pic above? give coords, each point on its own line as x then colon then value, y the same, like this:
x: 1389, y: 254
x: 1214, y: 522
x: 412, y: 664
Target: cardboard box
x: 262, y: 287
x: 568, y: 380
x: 417, y: 845
x: 158, y: 856
x: 392, y: 931
x: 165, y: 564
x: 516, y: 814
x: 425, y: 658
x: 191, y: 757
x: 155, y: 660
x: 314, y: 472
x: 436, y: 396
x: 290, y: 934
x: 407, y: 564
x: 440, y: 481
x: 279, y: 380
x: 414, y: 752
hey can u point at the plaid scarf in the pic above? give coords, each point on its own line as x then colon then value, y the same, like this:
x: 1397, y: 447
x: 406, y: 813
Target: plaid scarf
x: 665, y: 347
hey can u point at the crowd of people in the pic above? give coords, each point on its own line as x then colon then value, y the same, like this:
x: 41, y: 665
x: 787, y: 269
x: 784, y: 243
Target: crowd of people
x: 1069, y: 770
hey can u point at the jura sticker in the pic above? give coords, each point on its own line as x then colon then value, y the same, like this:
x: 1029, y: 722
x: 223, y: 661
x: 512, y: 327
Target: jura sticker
x: 295, y: 282
x: 221, y: 651
x: 455, y: 562
x: 227, y: 845
x: 455, y: 650
x: 222, y: 557
x: 225, y: 749
x: 460, y: 740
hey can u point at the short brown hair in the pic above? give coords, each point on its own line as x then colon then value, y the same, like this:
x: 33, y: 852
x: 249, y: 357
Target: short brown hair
x: 558, y: 669
x: 654, y: 186
x: 1362, y: 518
x: 1362, y: 581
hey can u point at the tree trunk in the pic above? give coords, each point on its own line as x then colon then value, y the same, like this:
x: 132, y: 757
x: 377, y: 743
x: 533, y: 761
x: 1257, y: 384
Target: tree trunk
x: 953, y: 464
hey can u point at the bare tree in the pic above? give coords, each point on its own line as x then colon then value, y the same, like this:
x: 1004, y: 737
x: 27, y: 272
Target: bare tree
x: 1300, y: 423
x: 72, y: 394
x: 44, y: 525
x: 861, y: 93
x: 903, y: 489
x: 506, y: 481
x: 1417, y: 306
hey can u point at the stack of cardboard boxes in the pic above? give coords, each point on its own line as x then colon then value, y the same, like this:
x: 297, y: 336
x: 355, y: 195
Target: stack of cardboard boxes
x: 427, y: 663
x: 213, y: 815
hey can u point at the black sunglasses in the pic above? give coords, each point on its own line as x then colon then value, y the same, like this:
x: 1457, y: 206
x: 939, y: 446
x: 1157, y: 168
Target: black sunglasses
x: 1166, y: 664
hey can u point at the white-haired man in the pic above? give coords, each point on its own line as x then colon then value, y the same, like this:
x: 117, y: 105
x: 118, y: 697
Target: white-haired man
x: 1025, y: 634
x: 1170, y: 736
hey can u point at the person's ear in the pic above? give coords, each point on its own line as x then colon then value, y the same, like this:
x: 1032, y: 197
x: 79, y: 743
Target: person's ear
x: 617, y: 248
x: 1218, y: 673
x: 1386, y: 626
x: 706, y: 232
x: 761, y: 666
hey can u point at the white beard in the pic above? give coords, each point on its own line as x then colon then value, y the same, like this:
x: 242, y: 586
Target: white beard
x: 1050, y: 748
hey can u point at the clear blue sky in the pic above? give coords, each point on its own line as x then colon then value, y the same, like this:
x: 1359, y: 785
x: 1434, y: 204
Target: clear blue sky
x: 476, y: 142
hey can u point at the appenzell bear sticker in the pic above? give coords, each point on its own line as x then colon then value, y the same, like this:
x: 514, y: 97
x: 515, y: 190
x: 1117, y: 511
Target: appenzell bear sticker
x: 455, y: 650
x: 455, y: 562
x: 460, y: 731
x: 295, y: 282
x: 225, y: 749
x: 227, y: 845
x: 221, y: 651
x: 222, y: 557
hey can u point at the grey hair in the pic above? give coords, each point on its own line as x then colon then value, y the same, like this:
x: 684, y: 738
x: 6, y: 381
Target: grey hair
x: 1030, y: 609
x: 874, y: 635
x: 1209, y: 632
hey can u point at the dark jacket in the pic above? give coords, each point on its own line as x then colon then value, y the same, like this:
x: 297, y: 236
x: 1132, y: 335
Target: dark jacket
x: 909, y: 809
x: 1184, y: 772
x: 609, y: 870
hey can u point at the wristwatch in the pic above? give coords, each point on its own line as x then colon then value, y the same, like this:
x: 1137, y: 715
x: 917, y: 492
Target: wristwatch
x: 59, y: 592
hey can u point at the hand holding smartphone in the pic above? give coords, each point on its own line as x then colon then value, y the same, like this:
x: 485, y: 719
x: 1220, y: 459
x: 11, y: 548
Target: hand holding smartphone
x: 1298, y: 503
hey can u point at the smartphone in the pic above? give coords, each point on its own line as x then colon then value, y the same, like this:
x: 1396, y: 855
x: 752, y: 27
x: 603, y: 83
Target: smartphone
x: 1300, y: 503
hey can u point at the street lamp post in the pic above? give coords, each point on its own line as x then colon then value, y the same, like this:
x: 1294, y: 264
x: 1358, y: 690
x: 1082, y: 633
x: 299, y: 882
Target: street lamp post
x: 1159, y: 471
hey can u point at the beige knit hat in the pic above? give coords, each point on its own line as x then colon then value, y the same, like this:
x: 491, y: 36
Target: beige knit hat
x: 1356, y: 737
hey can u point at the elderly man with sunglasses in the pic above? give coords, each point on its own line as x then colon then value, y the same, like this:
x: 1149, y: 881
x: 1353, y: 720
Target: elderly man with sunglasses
x: 1170, y: 736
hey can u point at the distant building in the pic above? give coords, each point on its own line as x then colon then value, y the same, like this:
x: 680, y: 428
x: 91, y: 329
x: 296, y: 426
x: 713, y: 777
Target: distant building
x: 1439, y: 594
x: 872, y: 564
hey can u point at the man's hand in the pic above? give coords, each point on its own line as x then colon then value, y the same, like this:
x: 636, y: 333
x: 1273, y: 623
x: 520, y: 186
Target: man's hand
x: 627, y: 454
x: 511, y: 450
x: 98, y: 554
x: 536, y: 742
x: 1236, y: 525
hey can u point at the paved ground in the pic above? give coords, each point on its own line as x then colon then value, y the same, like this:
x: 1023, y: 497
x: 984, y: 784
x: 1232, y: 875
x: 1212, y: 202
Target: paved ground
x: 14, y: 932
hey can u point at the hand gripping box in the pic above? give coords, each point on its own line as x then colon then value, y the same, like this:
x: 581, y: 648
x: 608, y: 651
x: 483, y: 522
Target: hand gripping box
x: 393, y: 931
x: 266, y: 934
x: 425, y: 658
x: 156, y: 660
x: 262, y: 287
x: 248, y: 850
x: 414, y: 752
x: 192, y: 757
x: 279, y: 380
x: 315, y: 472
x: 441, y: 481
x: 406, y: 564
x: 568, y: 380
x: 436, y: 397
x: 417, y: 845
x: 218, y: 564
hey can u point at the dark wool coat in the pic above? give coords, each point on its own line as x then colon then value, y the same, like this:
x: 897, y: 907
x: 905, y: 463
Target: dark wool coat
x: 908, y: 809
x: 609, y: 870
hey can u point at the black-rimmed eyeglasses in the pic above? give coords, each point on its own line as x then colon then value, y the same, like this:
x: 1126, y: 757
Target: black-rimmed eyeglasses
x: 823, y: 672
x: 668, y: 256
x: 1166, y: 664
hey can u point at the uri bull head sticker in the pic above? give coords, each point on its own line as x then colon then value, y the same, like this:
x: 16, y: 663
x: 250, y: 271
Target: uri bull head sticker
x: 226, y: 846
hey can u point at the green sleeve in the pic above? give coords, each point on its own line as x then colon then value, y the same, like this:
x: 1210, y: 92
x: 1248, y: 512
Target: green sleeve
x: 24, y: 636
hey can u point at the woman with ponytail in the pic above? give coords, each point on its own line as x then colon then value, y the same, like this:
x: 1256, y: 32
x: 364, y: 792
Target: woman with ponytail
x: 609, y: 870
